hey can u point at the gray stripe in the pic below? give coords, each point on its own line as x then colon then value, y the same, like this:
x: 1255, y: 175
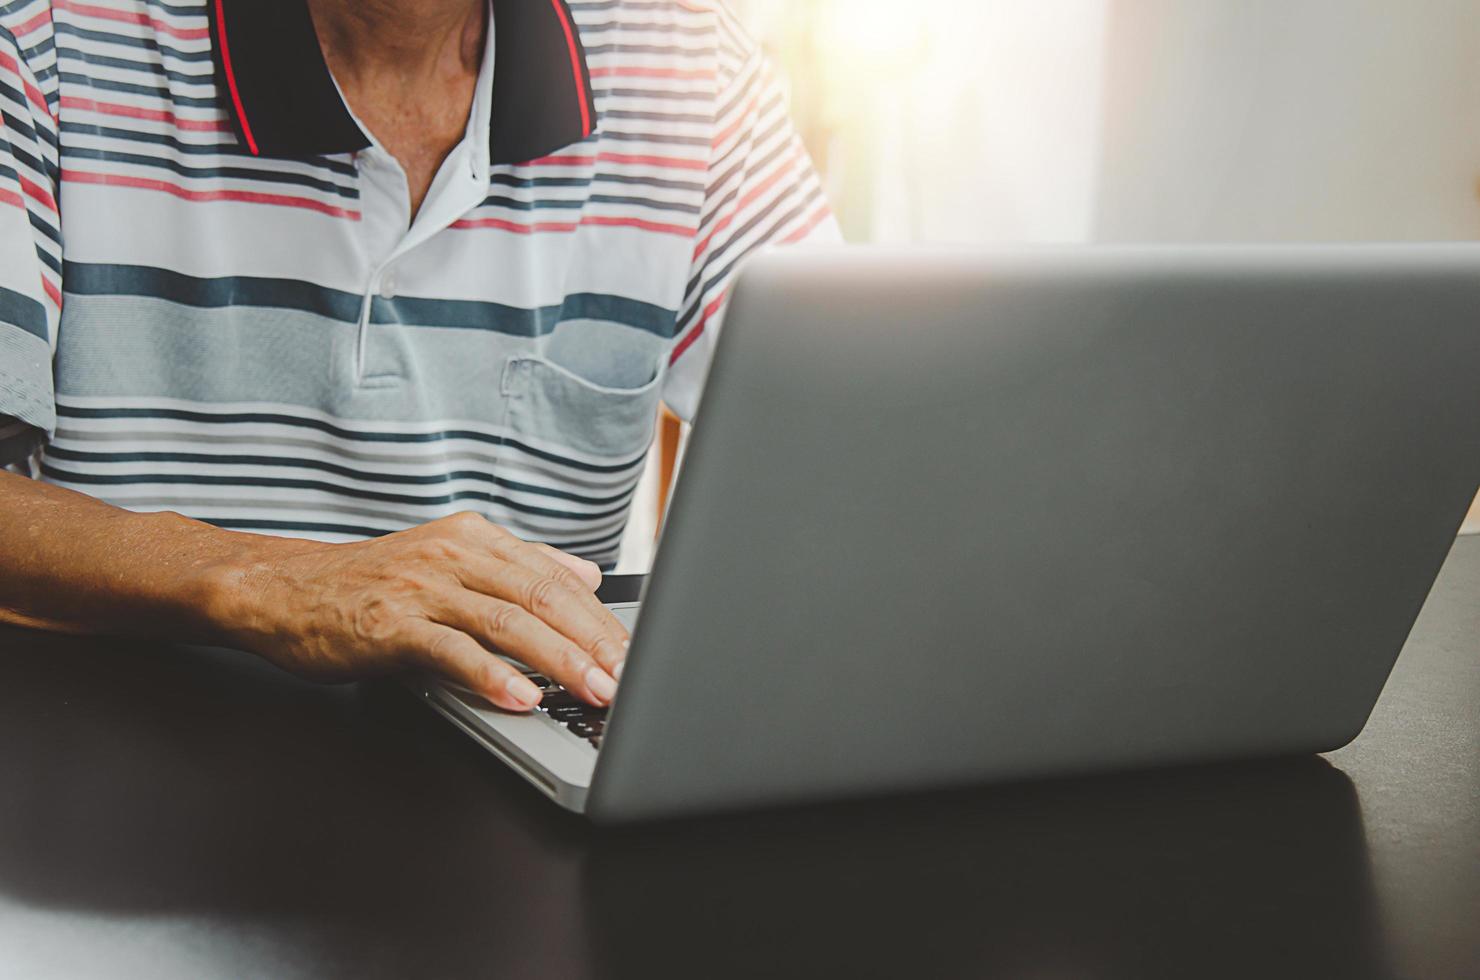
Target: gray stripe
x: 288, y: 294
x: 111, y: 347
x: 393, y: 518
x: 285, y: 465
x: 25, y: 380
x: 510, y: 465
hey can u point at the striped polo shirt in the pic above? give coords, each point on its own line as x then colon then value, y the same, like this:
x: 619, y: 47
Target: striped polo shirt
x: 214, y: 299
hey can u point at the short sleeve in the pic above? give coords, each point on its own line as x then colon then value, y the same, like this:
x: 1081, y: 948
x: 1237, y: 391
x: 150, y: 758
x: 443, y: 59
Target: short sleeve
x: 30, y: 235
x: 763, y: 191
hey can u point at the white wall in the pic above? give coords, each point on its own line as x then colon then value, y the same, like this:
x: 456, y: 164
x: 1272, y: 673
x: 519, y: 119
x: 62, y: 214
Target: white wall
x: 1147, y: 120
x: 1291, y: 120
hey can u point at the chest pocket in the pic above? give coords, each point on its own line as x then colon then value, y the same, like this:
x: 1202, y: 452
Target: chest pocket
x: 553, y: 409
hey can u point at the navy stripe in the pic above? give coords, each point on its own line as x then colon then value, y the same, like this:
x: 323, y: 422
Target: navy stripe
x: 663, y: 117
x: 88, y: 279
x: 671, y: 50
x: 517, y: 321
x: 47, y: 259
x: 715, y: 203
x: 644, y: 202
x: 149, y: 42
x: 699, y: 95
x: 276, y: 418
x: 253, y: 174
x: 155, y: 68
x: 698, y: 30
x: 153, y: 91
x: 664, y: 138
x: 307, y: 527
x: 497, y: 201
x: 578, y: 204
x: 529, y: 183
x: 665, y: 5
x: 23, y: 127
x: 696, y: 300
x: 225, y: 149
x: 334, y: 489
x: 22, y: 311
x: 12, y: 122
x: 675, y: 185
x: 46, y: 229
x: 406, y: 479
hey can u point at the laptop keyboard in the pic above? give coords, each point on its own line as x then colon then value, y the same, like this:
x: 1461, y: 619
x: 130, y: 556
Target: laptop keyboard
x: 565, y: 709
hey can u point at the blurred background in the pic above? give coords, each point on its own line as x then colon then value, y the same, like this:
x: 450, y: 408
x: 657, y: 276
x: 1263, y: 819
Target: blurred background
x: 1076, y: 121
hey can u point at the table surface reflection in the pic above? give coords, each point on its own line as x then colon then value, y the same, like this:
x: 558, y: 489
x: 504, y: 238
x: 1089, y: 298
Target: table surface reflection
x: 178, y: 812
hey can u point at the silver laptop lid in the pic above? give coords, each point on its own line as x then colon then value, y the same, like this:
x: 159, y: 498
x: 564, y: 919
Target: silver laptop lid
x: 951, y: 517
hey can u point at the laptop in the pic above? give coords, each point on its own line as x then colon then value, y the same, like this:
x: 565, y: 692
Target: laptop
x: 950, y: 518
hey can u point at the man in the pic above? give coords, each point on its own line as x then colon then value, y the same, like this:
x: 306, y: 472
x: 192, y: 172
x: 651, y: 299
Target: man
x: 315, y: 315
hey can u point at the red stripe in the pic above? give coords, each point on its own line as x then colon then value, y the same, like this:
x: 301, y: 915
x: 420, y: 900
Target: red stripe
x: 125, y: 17
x: 674, y: 163
x: 697, y: 332
x: 154, y: 115
x: 575, y: 64
x: 734, y: 127
x: 52, y: 291
x: 32, y: 92
x: 247, y: 197
x: 516, y: 228
x: 33, y: 23
x: 636, y: 71
x: 236, y: 96
x: 38, y: 193
x: 655, y: 226
x: 823, y: 213
x: 806, y: 229
x: 11, y: 197
x: 782, y: 170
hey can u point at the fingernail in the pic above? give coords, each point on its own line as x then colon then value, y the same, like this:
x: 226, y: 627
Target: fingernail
x: 600, y: 683
x: 617, y: 670
x: 522, y: 690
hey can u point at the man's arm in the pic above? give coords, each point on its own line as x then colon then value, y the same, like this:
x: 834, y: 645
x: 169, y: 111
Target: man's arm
x: 439, y: 597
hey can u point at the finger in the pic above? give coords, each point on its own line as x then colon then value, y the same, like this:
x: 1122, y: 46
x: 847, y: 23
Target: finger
x: 514, y: 630
x: 464, y: 661
x: 572, y: 572
x: 610, y: 655
x: 588, y: 571
x: 545, y: 591
x: 579, y: 616
x: 587, y: 622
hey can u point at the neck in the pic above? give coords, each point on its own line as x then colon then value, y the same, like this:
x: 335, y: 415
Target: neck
x: 408, y: 39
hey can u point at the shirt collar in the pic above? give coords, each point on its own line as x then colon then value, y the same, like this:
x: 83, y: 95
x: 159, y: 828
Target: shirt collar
x: 283, y: 101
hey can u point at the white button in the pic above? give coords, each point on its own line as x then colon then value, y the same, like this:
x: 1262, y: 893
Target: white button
x: 388, y: 286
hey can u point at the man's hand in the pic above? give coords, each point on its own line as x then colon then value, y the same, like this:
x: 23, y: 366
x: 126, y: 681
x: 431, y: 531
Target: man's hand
x: 441, y: 597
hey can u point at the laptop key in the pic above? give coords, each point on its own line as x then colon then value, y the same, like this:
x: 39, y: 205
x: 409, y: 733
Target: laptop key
x: 583, y: 729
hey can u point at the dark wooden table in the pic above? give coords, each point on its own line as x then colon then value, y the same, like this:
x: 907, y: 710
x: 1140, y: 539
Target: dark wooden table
x: 176, y: 812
